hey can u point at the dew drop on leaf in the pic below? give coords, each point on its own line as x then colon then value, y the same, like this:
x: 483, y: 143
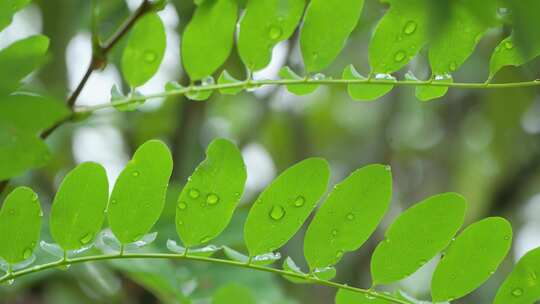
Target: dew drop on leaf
x: 277, y: 213
x: 212, y: 199
x: 399, y: 56
x: 135, y: 173
x: 85, y: 239
x: 334, y: 232
x: 453, y: 66
x: 339, y: 254
x: 508, y: 45
x: 194, y: 193
x: 299, y: 201
x: 182, y: 205
x: 275, y: 32
x: 409, y: 28
x: 517, y: 292
x: 113, y: 202
x: 9, y: 282
x: 27, y: 253
x: 150, y: 56
x: 350, y: 216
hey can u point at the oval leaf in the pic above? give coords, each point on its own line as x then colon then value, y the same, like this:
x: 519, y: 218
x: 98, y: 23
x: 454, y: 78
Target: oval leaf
x: 138, y: 196
x: 144, y: 50
x: 8, y: 8
x: 264, y: 24
x: 20, y: 59
x: 323, y: 36
x: 522, y: 286
x: 78, y: 208
x: 20, y: 225
x: 208, y: 38
x: 349, y: 216
x: 211, y: 194
x: 282, y: 208
x: 471, y: 259
x: 416, y: 236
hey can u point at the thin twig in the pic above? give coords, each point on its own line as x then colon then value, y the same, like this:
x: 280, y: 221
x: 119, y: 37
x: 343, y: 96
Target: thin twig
x: 307, y: 277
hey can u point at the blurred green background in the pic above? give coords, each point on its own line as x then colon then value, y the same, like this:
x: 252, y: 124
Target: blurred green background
x: 484, y: 144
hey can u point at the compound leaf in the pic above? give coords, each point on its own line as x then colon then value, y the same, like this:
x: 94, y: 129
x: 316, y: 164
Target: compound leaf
x: 416, y: 236
x: 327, y: 25
x: 282, y: 207
x: 78, y: 209
x: 264, y: 24
x: 138, y: 197
x: 211, y: 194
x: 208, y: 38
x: 19, y: 59
x: 471, y: 259
x: 20, y: 225
x: 349, y: 216
x: 144, y: 50
x: 521, y: 286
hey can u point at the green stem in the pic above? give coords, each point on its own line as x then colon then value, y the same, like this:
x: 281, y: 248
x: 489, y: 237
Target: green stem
x: 62, y: 262
x: 259, y: 83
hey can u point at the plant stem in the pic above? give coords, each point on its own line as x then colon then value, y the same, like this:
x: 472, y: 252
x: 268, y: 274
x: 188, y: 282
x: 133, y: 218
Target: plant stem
x: 312, y: 279
x: 259, y: 83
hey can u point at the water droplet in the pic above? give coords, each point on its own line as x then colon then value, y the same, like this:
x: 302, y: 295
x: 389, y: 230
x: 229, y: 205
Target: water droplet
x: 34, y: 197
x: 350, y: 216
x: 237, y: 194
x: 506, y: 237
x: 182, y: 205
x: 299, y: 201
x: 10, y: 282
x: 194, y: 193
x: 517, y: 292
x: 453, y: 66
x: 399, y: 56
x: 27, y: 253
x: 85, y: 239
x: 150, y: 56
x: 180, y: 222
x: 275, y: 32
x: 212, y: 199
x: 315, y: 56
x: 409, y: 28
x: 277, y: 213
x: 208, y: 81
x: 508, y: 45
x: 135, y: 173
x: 113, y: 202
x: 319, y: 76
x: 339, y: 254
x: 334, y: 232
x: 64, y: 267
x: 388, y: 168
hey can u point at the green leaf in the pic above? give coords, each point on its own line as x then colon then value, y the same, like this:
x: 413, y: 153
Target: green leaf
x: 200, y: 95
x: 20, y: 151
x: 282, y: 207
x: 20, y: 225
x: 20, y: 59
x: 427, y: 93
x: 416, y: 236
x: 521, y: 286
x: 507, y: 53
x: 290, y: 265
x: 263, y: 259
x: 365, y: 91
x: 31, y: 113
x: 144, y: 50
x: 350, y: 214
x: 264, y: 24
x: 297, y: 89
x: 454, y: 43
x: 345, y: 296
x: 399, y: 36
x: 327, y: 25
x: 138, y: 196
x: 525, y: 22
x: 211, y: 194
x: 471, y: 259
x: 225, y: 79
x: 208, y: 38
x: 78, y: 209
x: 117, y: 95
x: 234, y: 293
x: 8, y: 8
